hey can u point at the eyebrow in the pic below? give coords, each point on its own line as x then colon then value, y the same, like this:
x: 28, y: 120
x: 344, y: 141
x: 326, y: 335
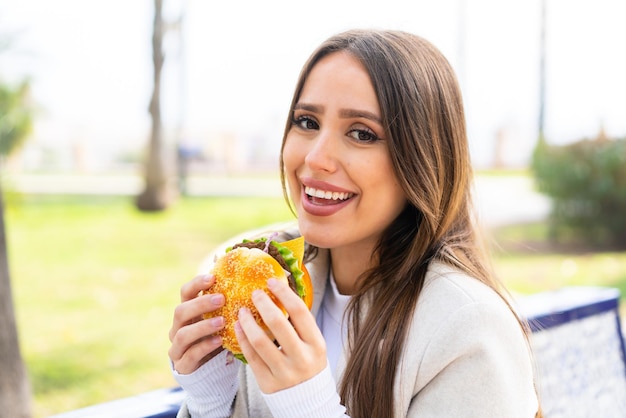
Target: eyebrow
x: 344, y: 113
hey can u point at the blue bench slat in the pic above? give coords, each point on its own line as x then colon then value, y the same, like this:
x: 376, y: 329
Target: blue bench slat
x: 162, y: 403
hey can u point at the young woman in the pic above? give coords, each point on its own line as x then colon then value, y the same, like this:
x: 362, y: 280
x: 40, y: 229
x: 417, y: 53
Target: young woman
x: 408, y: 320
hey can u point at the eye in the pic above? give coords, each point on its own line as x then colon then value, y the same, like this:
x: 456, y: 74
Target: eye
x: 305, y: 122
x: 363, y: 135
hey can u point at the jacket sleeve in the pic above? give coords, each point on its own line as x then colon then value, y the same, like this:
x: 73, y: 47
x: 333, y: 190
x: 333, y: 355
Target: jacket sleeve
x: 210, y: 390
x: 477, y: 364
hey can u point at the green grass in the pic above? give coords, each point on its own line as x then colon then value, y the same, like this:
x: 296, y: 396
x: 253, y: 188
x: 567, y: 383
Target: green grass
x: 503, y: 172
x: 528, y: 262
x: 95, y: 283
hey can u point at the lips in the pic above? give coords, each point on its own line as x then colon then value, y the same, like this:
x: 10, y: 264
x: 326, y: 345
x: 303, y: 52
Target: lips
x: 319, y: 199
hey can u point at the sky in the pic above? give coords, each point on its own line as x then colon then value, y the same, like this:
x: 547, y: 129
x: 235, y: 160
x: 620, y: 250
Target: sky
x: 230, y: 72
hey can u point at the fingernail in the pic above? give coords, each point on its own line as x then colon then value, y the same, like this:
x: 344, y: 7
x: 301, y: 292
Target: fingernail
x: 272, y: 283
x: 217, y: 299
x: 218, y: 321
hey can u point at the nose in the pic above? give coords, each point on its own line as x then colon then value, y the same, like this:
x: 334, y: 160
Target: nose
x: 322, y: 154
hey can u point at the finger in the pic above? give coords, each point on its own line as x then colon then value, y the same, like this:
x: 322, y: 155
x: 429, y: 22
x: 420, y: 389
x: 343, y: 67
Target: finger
x: 301, y: 318
x: 277, y: 368
x: 246, y: 348
x: 192, y: 310
x: 199, y: 283
x: 254, y: 341
x: 189, y: 335
x: 274, y: 319
x: 198, y: 354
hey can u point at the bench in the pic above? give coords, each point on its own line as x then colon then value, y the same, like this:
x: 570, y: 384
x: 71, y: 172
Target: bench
x: 579, y: 351
x: 578, y: 347
x: 161, y: 403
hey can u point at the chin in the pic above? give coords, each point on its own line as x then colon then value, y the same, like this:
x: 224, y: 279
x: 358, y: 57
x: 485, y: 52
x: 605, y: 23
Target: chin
x: 314, y: 233
x: 318, y: 234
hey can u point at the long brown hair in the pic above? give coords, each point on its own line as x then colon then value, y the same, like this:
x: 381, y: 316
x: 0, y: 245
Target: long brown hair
x: 423, y: 117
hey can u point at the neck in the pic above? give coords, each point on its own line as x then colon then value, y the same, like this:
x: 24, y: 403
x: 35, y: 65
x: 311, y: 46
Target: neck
x: 348, y: 263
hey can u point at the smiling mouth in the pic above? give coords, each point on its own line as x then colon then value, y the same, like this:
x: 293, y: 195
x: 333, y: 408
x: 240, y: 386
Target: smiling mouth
x: 326, y: 196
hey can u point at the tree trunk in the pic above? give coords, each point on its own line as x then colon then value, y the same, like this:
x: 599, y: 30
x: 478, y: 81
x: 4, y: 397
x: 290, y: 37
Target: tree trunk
x: 542, y: 76
x: 157, y: 194
x: 15, y: 396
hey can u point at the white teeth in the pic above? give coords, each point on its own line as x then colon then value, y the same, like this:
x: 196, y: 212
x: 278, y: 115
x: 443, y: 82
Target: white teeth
x: 327, y: 194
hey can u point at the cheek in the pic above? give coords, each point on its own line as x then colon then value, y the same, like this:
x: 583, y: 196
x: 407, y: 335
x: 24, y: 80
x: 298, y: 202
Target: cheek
x: 389, y: 191
x: 292, y: 158
x: 289, y: 151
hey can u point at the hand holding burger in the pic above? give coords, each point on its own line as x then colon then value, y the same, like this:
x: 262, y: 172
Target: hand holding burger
x: 246, y: 267
x: 226, y: 309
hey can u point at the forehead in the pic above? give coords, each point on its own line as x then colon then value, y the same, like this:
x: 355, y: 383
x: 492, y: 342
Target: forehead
x: 340, y: 78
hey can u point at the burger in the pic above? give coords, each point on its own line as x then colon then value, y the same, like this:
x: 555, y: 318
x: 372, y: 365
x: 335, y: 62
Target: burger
x: 246, y: 267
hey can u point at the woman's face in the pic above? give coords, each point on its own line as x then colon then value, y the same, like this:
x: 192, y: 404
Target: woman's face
x: 336, y: 158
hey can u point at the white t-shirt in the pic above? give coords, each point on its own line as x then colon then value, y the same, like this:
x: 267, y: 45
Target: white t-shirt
x: 330, y: 320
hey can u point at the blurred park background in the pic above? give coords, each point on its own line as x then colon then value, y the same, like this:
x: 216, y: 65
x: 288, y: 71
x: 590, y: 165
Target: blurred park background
x: 113, y: 194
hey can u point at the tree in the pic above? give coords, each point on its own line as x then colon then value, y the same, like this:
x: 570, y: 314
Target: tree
x: 15, y: 117
x: 541, y: 139
x: 15, y: 395
x: 157, y: 194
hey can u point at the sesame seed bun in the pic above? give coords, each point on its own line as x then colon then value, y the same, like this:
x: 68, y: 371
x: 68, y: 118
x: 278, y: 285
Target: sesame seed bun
x: 238, y: 273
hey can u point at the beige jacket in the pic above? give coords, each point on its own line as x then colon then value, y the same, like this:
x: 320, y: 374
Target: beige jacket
x: 465, y: 356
